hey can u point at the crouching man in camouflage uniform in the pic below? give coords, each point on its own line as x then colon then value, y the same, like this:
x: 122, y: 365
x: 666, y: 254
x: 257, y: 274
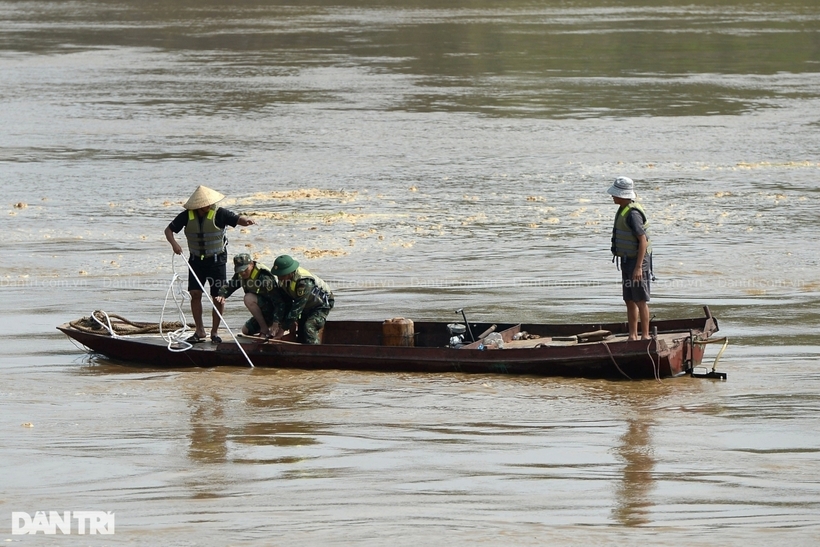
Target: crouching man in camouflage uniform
x: 261, y: 293
x: 305, y: 301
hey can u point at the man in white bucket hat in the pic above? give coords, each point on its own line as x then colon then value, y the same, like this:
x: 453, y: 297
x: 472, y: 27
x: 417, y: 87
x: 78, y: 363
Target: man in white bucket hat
x: 632, y: 247
x: 205, y: 227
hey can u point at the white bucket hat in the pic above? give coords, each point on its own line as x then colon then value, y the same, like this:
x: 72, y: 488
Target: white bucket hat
x: 623, y: 187
x: 203, y: 197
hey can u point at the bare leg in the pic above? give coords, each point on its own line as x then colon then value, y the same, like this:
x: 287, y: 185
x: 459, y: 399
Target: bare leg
x: 643, y: 309
x: 196, y: 311
x: 632, y: 314
x: 252, y: 303
x: 215, y: 316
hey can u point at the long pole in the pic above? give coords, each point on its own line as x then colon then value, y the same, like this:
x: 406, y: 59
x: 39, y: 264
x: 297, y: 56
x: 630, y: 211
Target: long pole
x: 219, y: 314
x: 466, y: 323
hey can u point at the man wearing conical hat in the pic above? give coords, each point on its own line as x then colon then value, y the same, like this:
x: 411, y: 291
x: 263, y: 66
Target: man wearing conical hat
x: 205, y: 227
x: 631, y: 246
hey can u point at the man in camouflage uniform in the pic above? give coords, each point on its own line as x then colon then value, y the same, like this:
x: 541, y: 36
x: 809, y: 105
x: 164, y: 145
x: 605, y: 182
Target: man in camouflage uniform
x: 305, y: 300
x: 261, y: 293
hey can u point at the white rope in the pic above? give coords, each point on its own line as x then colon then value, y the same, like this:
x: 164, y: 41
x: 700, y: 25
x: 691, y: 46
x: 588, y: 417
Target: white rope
x: 177, y: 340
x: 106, y: 325
x: 208, y: 296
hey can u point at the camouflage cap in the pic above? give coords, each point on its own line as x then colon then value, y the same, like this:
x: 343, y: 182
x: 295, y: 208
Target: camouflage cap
x: 242, y: 262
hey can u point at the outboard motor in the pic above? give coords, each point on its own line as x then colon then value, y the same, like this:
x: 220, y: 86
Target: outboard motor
x: 457, y: 331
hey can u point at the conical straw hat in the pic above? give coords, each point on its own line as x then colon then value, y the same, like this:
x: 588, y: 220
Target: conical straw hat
x: 203, y: 197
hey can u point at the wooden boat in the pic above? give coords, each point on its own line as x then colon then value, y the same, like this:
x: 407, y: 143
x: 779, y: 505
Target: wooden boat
x: 598, y: 350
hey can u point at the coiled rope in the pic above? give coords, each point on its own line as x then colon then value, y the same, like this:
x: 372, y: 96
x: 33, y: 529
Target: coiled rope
x: 120, y: 326
x: 178, y: 338
x: 173, y: 332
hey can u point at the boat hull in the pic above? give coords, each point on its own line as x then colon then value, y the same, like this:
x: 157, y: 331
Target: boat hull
x: 356, y: 345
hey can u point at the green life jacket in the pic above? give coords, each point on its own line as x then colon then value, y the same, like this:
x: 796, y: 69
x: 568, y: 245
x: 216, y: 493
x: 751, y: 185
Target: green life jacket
x: 206, y: 239
x: 624, y: 242
x: 320, y: 296
x: 259, y: 284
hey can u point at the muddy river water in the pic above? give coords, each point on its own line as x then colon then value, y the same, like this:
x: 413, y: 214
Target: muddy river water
x: 421, y: 158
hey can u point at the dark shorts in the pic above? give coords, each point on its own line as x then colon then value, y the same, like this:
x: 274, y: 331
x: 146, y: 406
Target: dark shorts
x: 635, y: 292
x: 208, y: 271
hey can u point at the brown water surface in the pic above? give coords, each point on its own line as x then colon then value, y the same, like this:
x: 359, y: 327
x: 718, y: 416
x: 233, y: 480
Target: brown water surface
x: 421, y: 158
